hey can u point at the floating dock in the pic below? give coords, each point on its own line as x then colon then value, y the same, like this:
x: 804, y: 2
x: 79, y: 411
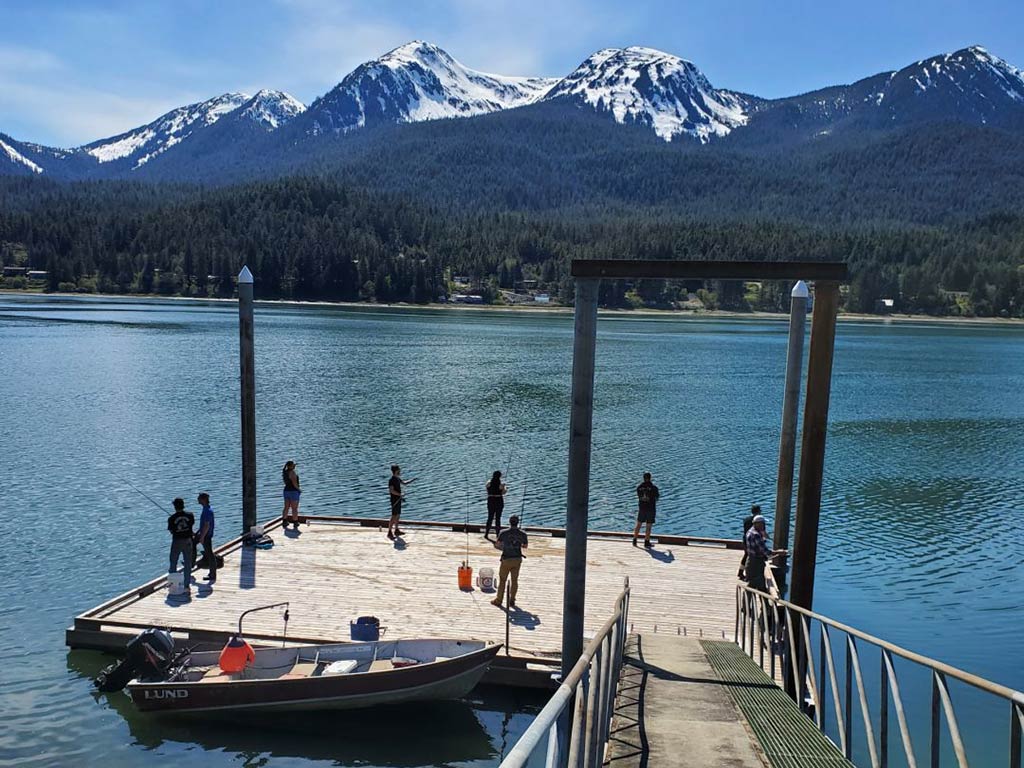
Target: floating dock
x: 336, y: 568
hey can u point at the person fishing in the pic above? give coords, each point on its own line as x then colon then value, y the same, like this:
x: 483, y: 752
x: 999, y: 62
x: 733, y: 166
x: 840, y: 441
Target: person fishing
x: 758, y: 553
x: 292, y: 492
x: 496, y: 491
x: 205, y: 537
x: 511, y: 542
x: 180, y: 526
x: 748, y: 523
x: 396, y: 496
x: 647, y: 494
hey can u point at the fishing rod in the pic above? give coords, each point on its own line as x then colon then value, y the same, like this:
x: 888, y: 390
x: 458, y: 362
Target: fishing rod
x: 146, y: 496
x: 465, y: 482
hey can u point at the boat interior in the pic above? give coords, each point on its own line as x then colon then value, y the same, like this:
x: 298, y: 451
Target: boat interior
x: 300, y: 662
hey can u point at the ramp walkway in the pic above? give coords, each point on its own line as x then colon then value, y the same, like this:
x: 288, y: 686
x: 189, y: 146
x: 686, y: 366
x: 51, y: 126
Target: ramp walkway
x: 691, y: 702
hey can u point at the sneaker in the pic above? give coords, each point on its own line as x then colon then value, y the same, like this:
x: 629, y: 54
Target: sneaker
x: 391, y: 536
x: 648, y: 544
x: 399, y: 533
x: 634, y: 541
x: 496, y: 601
x: 512, y: 604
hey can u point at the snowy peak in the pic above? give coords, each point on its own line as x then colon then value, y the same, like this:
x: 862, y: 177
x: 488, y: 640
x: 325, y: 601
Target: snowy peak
x: 271, y: 109
x: 971, y: 73
x: 13, y: 157
x: 142, y: 144
x: 415, y: 82
x: 650, y: 87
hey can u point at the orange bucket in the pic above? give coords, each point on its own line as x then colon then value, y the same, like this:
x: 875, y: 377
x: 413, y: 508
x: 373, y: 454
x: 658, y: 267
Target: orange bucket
x: 465, y: 577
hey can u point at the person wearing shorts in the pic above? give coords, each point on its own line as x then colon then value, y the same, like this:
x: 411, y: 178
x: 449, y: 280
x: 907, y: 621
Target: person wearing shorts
x: 395, y: 496
x: 292, y: 493
x: 647, y: 496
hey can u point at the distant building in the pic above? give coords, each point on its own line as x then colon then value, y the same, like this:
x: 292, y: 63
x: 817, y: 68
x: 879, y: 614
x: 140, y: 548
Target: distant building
x: 542, y: 298
x: 885, y: 306
x: 464, y: 279
x: 467, y: 298
x: 15, y: 271
x: 38, y: 274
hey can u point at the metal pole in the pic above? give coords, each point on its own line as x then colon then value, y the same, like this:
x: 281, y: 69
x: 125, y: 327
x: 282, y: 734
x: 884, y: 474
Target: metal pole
x: 787, y: 441
x: 812, y: 450
x: 247, y: 368
x: 578, y: 496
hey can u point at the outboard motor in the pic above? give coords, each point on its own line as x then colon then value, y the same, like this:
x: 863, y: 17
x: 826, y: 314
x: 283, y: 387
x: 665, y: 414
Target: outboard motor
x: 148, y: 656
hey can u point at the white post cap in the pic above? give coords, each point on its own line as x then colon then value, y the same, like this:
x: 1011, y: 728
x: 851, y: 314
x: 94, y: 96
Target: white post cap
x: 245, y: 276
x: 800, y: 290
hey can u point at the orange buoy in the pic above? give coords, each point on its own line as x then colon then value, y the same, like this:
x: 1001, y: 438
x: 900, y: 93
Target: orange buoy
x: 236, y: 656
x: 465, y: 577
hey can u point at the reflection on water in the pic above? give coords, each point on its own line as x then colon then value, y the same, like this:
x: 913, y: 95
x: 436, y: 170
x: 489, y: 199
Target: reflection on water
x: 919, y: 519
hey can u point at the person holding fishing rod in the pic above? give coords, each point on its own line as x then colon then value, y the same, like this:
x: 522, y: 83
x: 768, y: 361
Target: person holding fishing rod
x: 758, y: 554
x: 496, y: 491
x: 180, y: 526
x: 395, y: 494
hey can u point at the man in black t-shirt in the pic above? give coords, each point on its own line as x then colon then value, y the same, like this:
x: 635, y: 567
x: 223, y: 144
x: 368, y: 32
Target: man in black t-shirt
x: 395, y: 495
x: 647, y: 496
x: 180, y: 526
x: 748, y: 523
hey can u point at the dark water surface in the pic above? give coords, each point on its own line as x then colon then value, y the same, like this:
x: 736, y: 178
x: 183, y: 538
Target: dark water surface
x: 920, y: 537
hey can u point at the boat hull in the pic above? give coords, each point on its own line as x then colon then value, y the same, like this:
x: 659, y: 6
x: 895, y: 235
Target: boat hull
x: 448, y: 679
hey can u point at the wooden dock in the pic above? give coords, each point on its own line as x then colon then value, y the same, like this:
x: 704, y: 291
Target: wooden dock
x: 336, y: 569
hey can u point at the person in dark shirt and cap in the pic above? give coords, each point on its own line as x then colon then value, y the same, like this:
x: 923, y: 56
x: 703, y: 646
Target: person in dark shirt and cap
x: 180, y: 526
x: 758, y: 553
x: 748, y: 523
x: 512, y: 542
x: 647, y: 494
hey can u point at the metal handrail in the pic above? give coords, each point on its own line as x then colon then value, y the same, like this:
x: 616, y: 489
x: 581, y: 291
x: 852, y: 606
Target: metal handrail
x: 590, y: 690
x: 764, y: 620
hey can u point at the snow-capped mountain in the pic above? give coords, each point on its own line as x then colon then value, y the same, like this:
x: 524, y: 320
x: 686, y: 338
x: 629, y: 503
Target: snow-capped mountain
x: 271, y: 109
x: 649, y: 87
x: 415, y: 82
x: 13, y: 161
x: 140, y: 145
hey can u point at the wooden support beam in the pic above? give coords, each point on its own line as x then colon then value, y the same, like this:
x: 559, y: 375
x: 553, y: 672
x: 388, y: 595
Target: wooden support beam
x: 812, y: 451
x: 247, y: 370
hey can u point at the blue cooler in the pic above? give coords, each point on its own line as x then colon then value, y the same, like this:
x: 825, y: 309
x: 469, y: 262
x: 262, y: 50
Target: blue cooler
x: 365, y: 628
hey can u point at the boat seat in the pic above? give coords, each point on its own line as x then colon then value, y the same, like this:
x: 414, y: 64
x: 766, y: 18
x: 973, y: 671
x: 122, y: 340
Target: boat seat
x: 215, y: 675
x: 380, y: 665
x: 300, y: 670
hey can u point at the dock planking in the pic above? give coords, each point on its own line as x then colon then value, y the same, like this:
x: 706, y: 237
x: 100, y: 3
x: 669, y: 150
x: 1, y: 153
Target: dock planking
x: 336, y: 569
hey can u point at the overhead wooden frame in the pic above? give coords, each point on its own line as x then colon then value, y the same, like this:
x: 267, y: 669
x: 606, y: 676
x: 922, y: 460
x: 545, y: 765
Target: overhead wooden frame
x: 718, y: 270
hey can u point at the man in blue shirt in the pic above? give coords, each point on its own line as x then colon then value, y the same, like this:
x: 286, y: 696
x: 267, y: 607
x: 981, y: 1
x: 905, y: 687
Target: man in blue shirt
x: 205, y: 537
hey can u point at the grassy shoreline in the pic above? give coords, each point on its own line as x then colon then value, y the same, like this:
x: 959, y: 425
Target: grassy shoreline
x: 679, y: 314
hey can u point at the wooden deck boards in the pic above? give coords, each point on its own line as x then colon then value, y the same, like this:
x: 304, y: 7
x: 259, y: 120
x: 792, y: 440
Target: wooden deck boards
x: 332, y: 573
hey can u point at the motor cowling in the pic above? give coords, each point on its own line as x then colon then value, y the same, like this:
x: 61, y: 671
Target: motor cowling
x: 148, y: 656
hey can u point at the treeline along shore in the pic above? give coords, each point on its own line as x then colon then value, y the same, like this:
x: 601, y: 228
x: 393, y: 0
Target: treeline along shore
x: 317, y: 238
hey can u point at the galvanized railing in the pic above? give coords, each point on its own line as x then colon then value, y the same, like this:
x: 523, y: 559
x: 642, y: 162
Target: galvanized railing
x: 577, y: 738
x: 775, y: 632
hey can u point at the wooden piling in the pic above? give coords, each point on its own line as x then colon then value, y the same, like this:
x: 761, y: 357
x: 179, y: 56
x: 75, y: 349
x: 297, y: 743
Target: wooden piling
x: 790, y: 406
x: 578, y: 496
x: 247, y: 369
x: 812, y: 450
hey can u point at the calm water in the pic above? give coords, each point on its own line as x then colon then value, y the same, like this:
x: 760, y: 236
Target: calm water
x: 920, y: 536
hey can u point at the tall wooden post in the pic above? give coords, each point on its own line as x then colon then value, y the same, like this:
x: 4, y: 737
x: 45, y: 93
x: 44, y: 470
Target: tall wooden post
x: 812, y: 449
x: 787, y: 440
x: 247, y: 368
x: 578, y: 496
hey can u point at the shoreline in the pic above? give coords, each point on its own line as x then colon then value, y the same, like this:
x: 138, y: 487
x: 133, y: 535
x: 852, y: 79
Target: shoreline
x: 647, y: 312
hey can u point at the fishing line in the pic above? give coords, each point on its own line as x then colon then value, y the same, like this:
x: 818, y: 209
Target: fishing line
x: 145, y: 496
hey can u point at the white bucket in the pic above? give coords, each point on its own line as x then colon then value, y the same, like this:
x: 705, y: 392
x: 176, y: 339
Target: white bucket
x: 176, y: 583
x: 256, y: 530
x: 485, y: 580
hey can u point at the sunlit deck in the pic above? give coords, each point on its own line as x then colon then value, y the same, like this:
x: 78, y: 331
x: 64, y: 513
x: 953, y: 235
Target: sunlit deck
x: 337, y: 569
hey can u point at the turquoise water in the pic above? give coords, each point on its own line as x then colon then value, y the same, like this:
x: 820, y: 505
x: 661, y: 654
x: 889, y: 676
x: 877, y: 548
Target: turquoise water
x: 919, y: 537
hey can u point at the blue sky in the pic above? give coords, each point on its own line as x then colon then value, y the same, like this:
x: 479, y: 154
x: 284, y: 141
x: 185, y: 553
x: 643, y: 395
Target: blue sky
x: 73, y: 72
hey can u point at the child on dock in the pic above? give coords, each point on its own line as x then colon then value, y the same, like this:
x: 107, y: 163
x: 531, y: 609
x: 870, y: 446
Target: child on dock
x: 180, y: 526
x: 292, y: 493
x: 496, y: 491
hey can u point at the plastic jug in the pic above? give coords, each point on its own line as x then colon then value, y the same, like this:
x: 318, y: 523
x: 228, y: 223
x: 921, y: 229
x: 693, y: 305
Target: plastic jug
x: 176, y: 583
x: 485, y: 580
x: 465, y: 577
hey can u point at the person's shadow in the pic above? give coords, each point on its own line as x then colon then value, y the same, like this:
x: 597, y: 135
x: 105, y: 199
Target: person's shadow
x: 292, y: 533
x: 400, y: 544
x: 520, y: 618
x: 664, y: 557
